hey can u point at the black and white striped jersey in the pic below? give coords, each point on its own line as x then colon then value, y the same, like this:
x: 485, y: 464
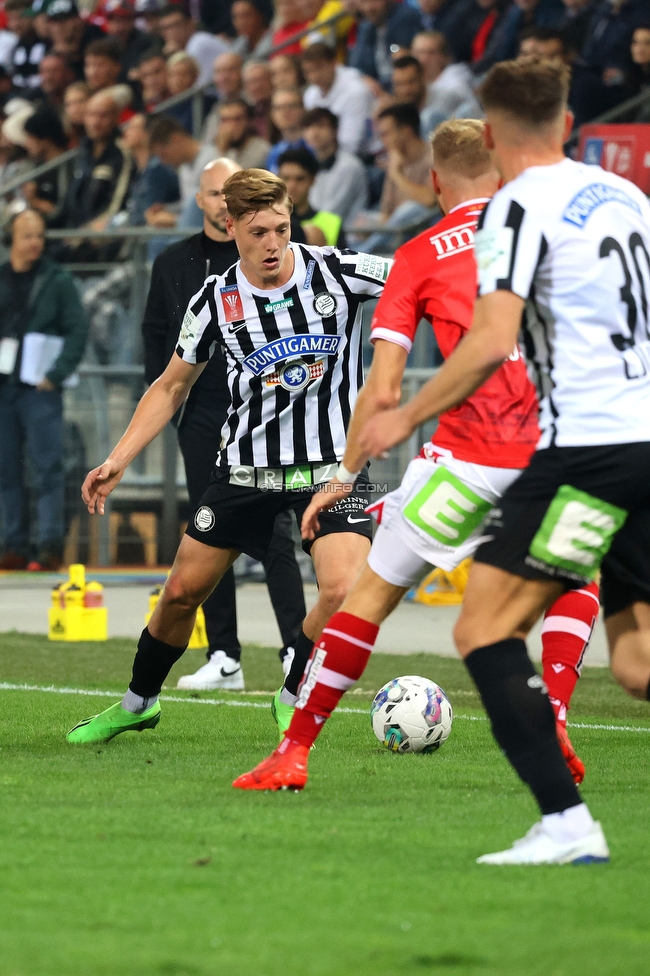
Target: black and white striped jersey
x: 293, y: 354
x: 574, y: 241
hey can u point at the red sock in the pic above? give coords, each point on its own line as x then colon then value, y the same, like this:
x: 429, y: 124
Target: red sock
x: 566, y: 632
x: 338, y: 660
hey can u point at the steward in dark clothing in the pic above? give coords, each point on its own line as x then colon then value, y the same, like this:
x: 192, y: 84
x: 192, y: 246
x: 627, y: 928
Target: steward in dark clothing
x: 178, y: 273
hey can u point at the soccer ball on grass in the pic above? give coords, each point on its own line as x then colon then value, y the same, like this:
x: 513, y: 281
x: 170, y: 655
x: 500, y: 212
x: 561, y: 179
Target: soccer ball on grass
x: 411, y: 714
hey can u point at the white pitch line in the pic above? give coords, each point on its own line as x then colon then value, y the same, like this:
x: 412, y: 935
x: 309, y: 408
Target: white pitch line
x: 95, y: 693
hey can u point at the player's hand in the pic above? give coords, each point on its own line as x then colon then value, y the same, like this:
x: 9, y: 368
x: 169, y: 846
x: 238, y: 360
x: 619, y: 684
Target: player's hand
x: 383, y: 431
x: 99, y: 484
x: 328, y: 496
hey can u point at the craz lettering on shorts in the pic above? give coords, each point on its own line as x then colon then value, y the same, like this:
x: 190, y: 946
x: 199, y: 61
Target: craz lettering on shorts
x: 576, y: 533
x: 446, y: 509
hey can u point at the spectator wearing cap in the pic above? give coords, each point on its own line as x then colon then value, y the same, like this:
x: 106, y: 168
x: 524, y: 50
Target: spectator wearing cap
x: 236, y: 138
x: 176, y: 148
x: 41, y: 23
x: 152, y: 75
x: 181, y: 33
x: 340, y: 89
x: 70, y: 34
x: 258, y: 90
x: 250, y: 20
x: 409, y: 87
x: 386, y: 26
x: 227, y: 84
x: 340, y: 185
x: 39, y: 297
x: 154, y: 182
x: 28, y: 52
x: 55, y: 74
x: 287, y: 114
x: 131, y: 42
x: 101, y: 179
x: 298, y: 169
x: 45, y: 140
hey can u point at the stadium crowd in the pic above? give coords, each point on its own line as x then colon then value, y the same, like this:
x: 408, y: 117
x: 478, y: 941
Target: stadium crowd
x: 337, y: 97
x: 355, y: 99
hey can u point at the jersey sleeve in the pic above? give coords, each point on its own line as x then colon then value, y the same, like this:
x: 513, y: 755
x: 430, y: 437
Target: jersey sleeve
x: 509, y: 246
x: 200, y: 330
x: 399, y: 309
x: 364, y: 274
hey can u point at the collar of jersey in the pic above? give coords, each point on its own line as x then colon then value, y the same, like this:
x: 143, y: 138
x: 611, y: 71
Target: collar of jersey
x: 480, y: 201
x: 298, y: 269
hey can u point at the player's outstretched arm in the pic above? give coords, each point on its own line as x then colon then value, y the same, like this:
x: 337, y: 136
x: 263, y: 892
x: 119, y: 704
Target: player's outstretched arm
x: 155, y: 409
x: 382, y: 391
x: 489, y: 342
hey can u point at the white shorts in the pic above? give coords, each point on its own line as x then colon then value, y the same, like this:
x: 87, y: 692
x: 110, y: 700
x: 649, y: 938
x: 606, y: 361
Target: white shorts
x: 435, y: 517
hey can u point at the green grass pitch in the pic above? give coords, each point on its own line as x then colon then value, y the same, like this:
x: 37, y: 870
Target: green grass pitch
x: 139, y: 859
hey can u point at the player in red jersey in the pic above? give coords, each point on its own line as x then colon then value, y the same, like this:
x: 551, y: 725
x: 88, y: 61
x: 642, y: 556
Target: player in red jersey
x: 436, y: 515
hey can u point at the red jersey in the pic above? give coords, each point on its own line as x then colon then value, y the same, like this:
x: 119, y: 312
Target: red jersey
x: 434, y: 277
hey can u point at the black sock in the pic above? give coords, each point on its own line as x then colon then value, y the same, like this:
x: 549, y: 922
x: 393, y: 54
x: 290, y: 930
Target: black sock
x: 647, y: 692
x: 303, y: 651
x: 153, y: 661
x: 523, y: 723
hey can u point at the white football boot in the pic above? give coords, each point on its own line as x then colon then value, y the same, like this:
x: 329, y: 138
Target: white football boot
x: 221, y: 671
x: 538, y: 847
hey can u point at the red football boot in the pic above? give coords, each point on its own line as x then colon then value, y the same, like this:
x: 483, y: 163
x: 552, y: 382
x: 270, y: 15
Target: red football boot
x: 284, y: 769
x: 576, y: 765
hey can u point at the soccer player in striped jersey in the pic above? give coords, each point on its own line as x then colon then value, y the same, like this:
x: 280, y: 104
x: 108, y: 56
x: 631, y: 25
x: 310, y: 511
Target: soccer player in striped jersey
x: 436, y: 516
x: 287, y: 318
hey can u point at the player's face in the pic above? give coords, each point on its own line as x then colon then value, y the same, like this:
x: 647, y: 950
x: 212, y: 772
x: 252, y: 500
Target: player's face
x: 262, y: 241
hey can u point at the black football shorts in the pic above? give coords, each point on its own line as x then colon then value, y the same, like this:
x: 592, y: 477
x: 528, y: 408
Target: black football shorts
x: 236, y: 517
x: 573, y: 511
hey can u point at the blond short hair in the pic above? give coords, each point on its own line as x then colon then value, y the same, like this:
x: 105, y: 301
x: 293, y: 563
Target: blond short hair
x: 252, y: 190
x: 458, y: 145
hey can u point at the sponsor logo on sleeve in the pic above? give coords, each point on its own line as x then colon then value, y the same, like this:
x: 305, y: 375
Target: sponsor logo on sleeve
x: 189, y: 330
x: 590, y: 198
x: 371, y: 266
x: 232, y: 303
x: 493, y: 254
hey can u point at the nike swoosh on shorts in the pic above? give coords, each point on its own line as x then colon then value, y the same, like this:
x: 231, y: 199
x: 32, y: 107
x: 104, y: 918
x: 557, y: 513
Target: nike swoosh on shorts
x: 351, y: 520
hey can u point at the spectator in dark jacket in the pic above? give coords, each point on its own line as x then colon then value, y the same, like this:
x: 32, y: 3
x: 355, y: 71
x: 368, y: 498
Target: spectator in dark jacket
x: 101, y: 179
x: 55, y: 74
x: 70, y: 34
x: 386, y: 25
x: 132, y: 43
x: 154, y: 182
x: 29, y: 50
x: 38, y: 299
x: 603, y: 76
x: 45, y: 140
x: 503, y: 41
x: 575, y: 25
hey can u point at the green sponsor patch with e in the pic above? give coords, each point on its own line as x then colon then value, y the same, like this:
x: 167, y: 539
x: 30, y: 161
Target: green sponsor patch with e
x: 298, y: 476
x: 279, y: 306
x: 577, y: 532
x: 446, y: 509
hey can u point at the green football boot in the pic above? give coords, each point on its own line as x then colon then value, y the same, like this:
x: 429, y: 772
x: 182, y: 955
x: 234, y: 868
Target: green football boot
x: 281, y: 713
x: 112, y: 721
